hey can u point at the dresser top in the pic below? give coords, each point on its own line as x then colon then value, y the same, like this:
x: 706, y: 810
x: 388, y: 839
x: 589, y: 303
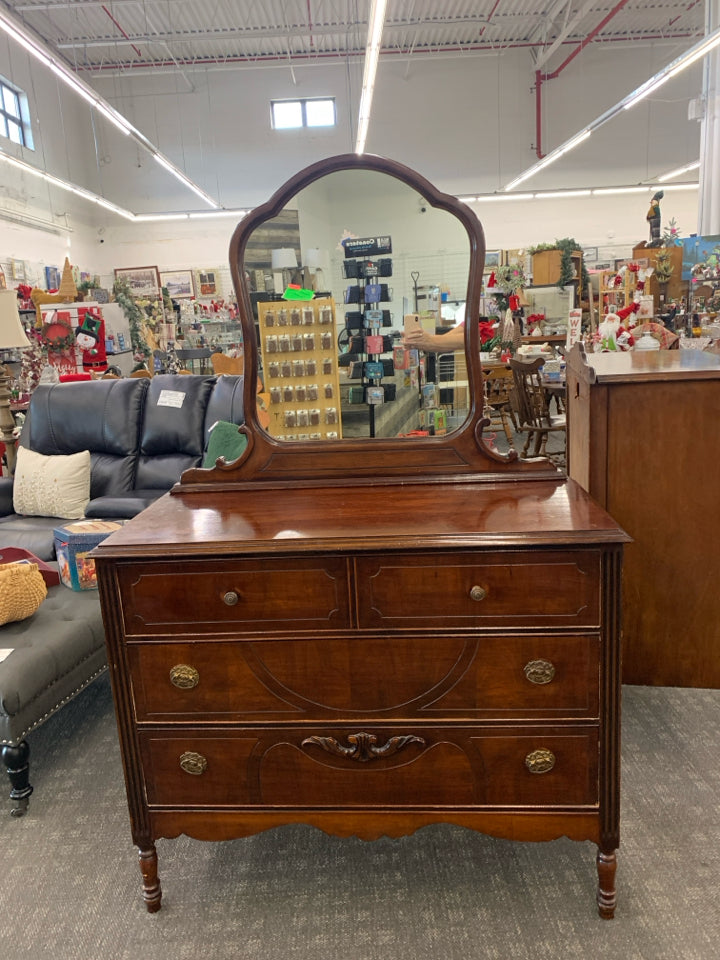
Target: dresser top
x: 637, y: 366
x: 361, y: 518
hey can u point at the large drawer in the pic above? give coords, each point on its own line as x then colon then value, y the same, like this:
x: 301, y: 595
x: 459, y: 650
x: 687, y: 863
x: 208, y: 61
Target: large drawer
x: 453, y: 677
x: 407, y: 767
x: 234, y: 596
x: 456, y: 590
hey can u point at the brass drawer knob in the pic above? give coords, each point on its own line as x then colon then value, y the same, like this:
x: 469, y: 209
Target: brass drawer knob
x: 540, y: 761
x: 193, y: 763
x: 231, y: 598
x: 183, y: 676
x: 478, y: 593
x: 539, y: 671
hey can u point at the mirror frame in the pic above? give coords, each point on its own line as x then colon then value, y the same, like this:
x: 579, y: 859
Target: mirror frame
x: 461, y: 452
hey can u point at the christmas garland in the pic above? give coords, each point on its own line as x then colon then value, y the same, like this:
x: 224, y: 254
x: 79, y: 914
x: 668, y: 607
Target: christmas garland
x: 57, y: 344
x: 567, y: 247
x: 135, y: 318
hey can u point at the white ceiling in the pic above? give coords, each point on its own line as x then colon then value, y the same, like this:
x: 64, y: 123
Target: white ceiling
x: 96, y: 37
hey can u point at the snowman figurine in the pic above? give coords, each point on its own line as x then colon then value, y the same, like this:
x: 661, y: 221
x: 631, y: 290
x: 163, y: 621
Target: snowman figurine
x: 89, y: 336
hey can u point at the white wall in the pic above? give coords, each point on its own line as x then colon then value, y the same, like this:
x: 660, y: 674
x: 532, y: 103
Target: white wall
x: 468, y: 124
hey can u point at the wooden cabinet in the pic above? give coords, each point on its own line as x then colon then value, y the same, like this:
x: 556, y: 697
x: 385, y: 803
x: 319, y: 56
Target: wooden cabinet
x: 641, y: 440
x: 456, y: 670
x: 547, y: 268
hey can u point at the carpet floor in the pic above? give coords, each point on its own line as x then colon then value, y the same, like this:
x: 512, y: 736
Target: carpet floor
x: 71, y: 884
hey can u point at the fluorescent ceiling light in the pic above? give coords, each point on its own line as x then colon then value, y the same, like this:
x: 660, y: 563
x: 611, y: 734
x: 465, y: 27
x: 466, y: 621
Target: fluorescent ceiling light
x: 65, y: 185
x: 467, y: 199
x: 179, y: 175
x: 673, y: 68
x: 494, y: 197
x: 17, y: 32
x: 682, y: 186
x: 212, y: 214
x: 372, y: 53
x: 701, y: 48
x: 680, y: 170
x: 608, y: 191
x: 555, y: 194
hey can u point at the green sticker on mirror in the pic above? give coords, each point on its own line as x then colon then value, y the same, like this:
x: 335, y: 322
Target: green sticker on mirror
x: 297, y: 293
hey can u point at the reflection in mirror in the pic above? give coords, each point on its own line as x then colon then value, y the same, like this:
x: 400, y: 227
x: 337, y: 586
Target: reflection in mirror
x: 373, y: 252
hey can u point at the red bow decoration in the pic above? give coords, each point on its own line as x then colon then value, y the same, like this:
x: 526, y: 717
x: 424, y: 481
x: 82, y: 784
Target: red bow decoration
x: 633, y: 267
x: 514, y: 301
x: 487, y: 330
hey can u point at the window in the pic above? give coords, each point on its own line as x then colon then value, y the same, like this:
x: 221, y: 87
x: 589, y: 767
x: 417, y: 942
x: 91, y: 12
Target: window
x: 14, y: 115
x: 290, y: 114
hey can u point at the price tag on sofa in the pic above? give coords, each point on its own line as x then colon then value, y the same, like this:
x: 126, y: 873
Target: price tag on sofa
x: 171, y: 398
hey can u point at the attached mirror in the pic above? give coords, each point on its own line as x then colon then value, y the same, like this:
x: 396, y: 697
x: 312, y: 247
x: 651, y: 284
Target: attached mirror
x: 371, y: 251
x: 327, y: 273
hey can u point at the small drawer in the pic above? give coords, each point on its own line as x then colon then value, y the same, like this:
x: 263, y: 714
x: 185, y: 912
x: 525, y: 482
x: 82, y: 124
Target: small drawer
x: 371, y: 767
x: 456, y: 590
x: 319, y: 678
x: 234, y: 596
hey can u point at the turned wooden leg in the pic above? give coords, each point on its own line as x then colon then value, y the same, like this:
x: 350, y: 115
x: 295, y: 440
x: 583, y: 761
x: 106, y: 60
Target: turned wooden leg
x: 606, y: 895
x: 152, y: 894
x: 18, y: 768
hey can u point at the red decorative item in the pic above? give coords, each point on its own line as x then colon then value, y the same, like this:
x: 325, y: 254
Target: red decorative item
x: 633, y: 267
x: 514, y: 301
x: 626, y: 311
x: 487, y: 330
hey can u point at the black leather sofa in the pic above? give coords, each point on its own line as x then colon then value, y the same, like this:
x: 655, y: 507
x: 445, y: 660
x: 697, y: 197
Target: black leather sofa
x: 141, y: 433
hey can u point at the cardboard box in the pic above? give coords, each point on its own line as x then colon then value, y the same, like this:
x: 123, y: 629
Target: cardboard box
x: 72, y: 544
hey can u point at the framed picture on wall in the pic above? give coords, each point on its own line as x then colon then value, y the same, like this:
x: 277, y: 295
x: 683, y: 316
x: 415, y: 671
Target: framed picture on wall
x: 492, y: 259
x: 208, y: 283
x: 52, y: 278
x: 143, y: 281
x: 179, y: 284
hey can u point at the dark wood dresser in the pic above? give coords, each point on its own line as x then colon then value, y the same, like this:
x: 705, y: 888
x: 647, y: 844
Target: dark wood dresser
x: 368, y: 636
x: 451, y: 658
x: 642, y: 440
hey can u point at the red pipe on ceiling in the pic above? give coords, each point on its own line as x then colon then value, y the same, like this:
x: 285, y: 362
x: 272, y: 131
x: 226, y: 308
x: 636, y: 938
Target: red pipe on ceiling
x: 541, y: 77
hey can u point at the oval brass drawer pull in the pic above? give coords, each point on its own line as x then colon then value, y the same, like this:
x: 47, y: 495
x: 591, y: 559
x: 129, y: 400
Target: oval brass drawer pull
x: 183, y: 676
x: 478, y: 593
x: 193, y: 763
x: 231, y: 598
x: 539, y: 671
x: 540, y: 761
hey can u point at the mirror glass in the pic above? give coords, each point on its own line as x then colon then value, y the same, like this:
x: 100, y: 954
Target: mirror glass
x: 373, y: 251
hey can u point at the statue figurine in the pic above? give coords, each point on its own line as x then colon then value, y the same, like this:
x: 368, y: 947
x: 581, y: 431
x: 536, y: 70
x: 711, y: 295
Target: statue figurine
x: 653, y: 218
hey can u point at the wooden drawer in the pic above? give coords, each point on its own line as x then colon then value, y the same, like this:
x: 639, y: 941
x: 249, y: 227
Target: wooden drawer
x: 533, y: 588
x: 403, y: 767
x: 234, y: 596
x: 417, y: 676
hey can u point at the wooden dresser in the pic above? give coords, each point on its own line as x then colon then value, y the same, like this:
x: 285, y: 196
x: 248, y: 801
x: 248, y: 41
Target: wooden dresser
x: 642, y: 440
x: 452, y: 659
x: 368, y: 636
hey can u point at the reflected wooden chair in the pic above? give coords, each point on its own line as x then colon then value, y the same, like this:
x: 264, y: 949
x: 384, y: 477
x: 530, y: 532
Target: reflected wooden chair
x: 141, y: 373
x: 222, y: 363
x: 531, y: 402
x: 498, y: 385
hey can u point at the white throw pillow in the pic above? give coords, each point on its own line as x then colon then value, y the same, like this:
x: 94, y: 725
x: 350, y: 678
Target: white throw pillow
x: 51, y: 486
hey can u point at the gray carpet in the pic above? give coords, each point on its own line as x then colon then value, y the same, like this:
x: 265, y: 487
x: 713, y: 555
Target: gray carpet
x: 71, y: 885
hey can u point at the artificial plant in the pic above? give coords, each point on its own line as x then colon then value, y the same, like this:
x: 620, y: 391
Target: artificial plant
x: 135, y: 318
x: 567, y: 246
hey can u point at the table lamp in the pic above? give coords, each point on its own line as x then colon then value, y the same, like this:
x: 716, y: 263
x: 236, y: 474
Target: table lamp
x: 284, y: 263
x: 12, y: 337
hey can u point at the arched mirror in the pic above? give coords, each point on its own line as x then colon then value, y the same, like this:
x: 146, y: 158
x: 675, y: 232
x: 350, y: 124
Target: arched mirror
x: 328, y: 275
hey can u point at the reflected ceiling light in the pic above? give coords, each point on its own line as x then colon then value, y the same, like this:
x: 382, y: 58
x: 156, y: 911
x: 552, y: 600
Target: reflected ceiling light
x: 680, y: 170
x: 607, y: 191
x: 376, y: 21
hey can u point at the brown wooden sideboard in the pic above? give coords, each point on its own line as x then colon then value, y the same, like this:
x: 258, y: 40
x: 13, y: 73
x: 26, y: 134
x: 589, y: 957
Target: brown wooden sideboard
x: 642, y: 440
